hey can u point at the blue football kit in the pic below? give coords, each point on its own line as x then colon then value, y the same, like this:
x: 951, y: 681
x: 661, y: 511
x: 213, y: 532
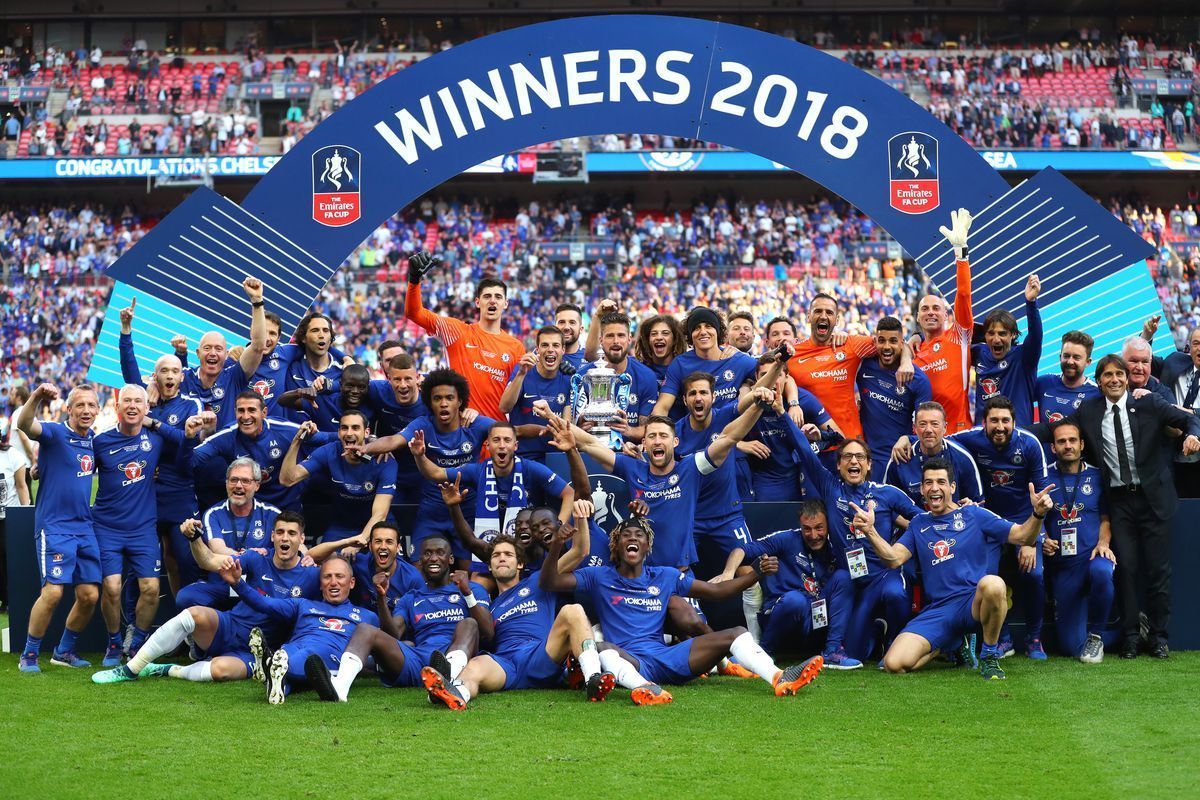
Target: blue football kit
x: 66, y: 538
x: 632, y: 612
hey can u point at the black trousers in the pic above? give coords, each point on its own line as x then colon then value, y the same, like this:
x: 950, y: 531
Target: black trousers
x: 1142, y: 543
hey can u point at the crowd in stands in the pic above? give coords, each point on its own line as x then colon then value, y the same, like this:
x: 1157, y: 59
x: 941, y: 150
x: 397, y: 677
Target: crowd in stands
x: 1045, y: 96
x: 769, y: 257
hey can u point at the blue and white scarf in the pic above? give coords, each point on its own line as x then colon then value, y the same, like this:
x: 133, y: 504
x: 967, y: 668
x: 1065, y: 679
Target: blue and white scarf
x: 487, y: 503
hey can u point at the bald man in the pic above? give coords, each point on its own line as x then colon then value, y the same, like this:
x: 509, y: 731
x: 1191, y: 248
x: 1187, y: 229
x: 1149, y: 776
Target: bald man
x: 174, y: 487
x: 945, y: 350
x: 125, y: 512
x: 216, y: 380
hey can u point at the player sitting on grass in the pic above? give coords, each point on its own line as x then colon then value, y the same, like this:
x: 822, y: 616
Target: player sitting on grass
x: 533, y: 637
x: 320, y: 628
x: 952, y: 543
x: 229, y: 637
x: 630, y: 599
x: 428, y: 614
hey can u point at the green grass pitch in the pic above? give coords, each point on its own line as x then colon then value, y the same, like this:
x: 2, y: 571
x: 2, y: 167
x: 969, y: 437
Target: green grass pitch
x: 1057, y: 730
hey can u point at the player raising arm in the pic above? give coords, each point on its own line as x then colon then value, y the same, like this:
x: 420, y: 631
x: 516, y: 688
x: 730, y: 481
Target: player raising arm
x: 481, y: 350
x: 631, y: 601
x: 945, y: 352
x: 951, y: 543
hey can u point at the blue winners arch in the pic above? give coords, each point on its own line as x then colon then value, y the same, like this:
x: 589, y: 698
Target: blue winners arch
x: 694, y: 79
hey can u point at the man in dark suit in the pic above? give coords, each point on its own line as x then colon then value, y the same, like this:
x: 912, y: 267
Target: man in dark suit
x: 1128, y: 437
x: 1180, y: 372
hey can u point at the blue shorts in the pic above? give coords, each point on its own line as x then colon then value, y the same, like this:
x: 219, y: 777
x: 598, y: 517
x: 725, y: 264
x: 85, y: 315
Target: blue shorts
x: 426, y: 527
x: 231, y: 640
x: 137, y: 550
x: 775, y: 489
x: 943, y: 622
x: 66, y: 558
x: 213, y: 594
x: 414, y: 659
x: 528, y: 667
x: 663, y: 664
x: 729, y: 533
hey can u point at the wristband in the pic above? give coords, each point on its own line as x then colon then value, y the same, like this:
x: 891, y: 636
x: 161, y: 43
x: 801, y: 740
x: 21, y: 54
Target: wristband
x: 794, y: 404
x: 470, y: 601
x: 1039, y: 516
x: 960, y: 253
x: 258, y: 304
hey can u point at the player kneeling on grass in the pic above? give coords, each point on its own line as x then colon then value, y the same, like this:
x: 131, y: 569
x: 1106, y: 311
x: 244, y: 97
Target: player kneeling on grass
x: 430, y: 615
x: 630, y: 599
x: 533, y: 637
x: 951, y: 543
x: 321, y: 629
x: 229, y: 638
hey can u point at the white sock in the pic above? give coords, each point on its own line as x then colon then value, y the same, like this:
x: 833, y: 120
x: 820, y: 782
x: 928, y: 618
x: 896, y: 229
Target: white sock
x: 348, y: 669
x: 458, y: 662
x: 464, y: 689
x: 752, y: 601
x: 621, y: 669
x: 163, y: 641
x: 754, y: 658
x: 200, y: 672
x: 589, y: 659
x: 597, y: 634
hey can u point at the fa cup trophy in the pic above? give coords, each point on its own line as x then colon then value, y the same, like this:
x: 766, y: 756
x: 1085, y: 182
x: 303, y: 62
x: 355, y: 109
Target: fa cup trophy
x: 600, y: 395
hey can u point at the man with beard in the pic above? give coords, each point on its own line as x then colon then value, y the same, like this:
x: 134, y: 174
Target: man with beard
x: 741, y: 333
x: 631, y: 600
x: 66, y: 538
x: 828, y: 370
x: 395, y: 403
x: 659, y: 340
x: 568, y: 318
x: 271, y: 378
x: 261, y: 439
x: 886, y: 408
x: 174, y: 486
x: 428, y: 614
x: 615, y: 339
x: 671, y: 488
x: 706, y: 334
x: 382, y: 556
x: 448, y: 442
x: 502, y: 482
x: 911, y: 452
x: 953, y: 545
x: 228, y: 639
x: 1004, y: 367
x: 808, y: 593
x: 1079, y: 559
x: 326, y: 405
x: 481, y: 350
x: 217, y: 379
x: 315, y: 369
x: 944, y: 351
x: 1009, y: 458
x: 535, y: 633
x: 1059, y: 395
x: 125, y: 510
x: 879, y: 591
x: 242, y: 522
x: 362, y: 486
x: 320, y: 628
x: 779, y: 330
x: 537, y: 377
